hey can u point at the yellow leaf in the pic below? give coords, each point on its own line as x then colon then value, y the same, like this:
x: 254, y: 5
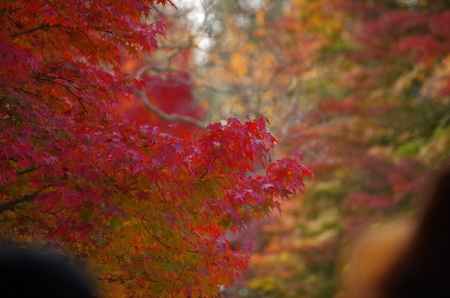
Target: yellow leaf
x: 261, y: 18
x: 239, y: 64
x: 117, y: 290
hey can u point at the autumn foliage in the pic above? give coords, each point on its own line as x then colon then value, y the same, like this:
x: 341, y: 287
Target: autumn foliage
x: 364, y: 88
x: 148, y: 205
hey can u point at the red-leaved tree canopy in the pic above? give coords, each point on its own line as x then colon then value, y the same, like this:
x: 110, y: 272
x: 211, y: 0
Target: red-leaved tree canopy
x: 149, y: 209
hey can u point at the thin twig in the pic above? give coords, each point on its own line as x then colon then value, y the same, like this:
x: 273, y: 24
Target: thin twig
x: 165, y: 116
x: 23, y: 199
x: 31, y: 30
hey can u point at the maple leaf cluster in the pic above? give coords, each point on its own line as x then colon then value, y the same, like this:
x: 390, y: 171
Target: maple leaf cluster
x: 150, y: 207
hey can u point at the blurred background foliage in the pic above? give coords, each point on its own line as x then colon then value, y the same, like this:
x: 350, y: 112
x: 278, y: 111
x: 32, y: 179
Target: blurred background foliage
x: 359, y: 87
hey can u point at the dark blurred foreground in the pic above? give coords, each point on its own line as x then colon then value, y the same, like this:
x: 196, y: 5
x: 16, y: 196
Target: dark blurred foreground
x: 31, y: 272
x: 406, y: 259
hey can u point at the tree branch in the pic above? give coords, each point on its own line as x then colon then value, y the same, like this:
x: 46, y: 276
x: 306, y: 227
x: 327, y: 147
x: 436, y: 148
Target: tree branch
x: 31, y: 30
x: 154, y: 109
x: 26, y: 170
x: 165, y: 116
x: 23, y: 199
